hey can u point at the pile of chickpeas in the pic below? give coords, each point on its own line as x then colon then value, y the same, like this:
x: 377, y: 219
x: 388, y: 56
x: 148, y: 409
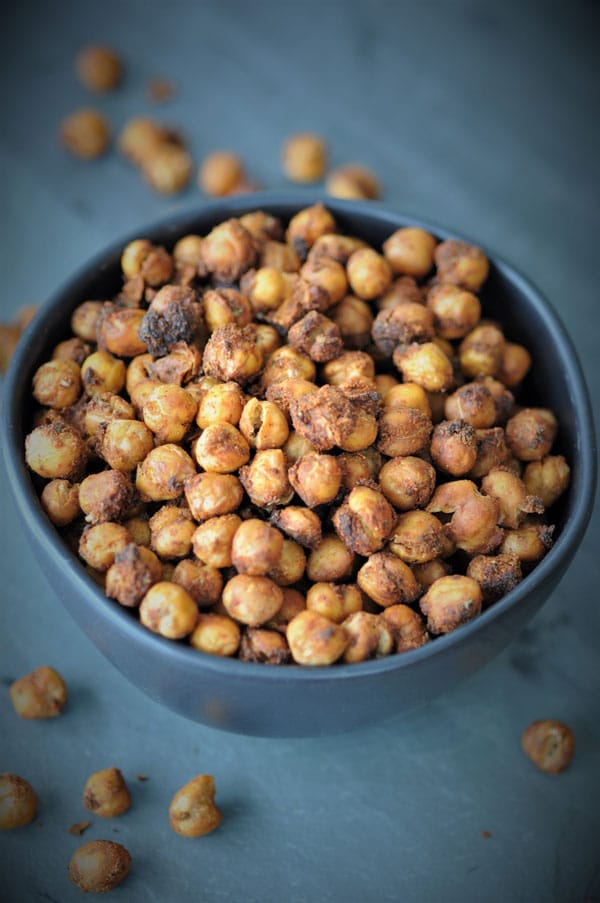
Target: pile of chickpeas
x: 281, y: 444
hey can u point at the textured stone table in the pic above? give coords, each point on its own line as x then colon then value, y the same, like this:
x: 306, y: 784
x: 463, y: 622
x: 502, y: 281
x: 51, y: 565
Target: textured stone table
x: 483, y: 117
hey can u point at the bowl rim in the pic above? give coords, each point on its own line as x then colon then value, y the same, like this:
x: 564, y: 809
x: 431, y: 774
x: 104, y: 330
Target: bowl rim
x: 171, y: 227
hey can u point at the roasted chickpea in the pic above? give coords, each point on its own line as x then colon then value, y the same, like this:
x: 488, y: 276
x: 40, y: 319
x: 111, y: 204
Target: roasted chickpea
x: 171, y: 531
x: 223, y: 402
x: 400, y: 325
x: 287, y: 363
x: 169, y: 412
x: 370, y: 637
x: 267, y: 339
x: 291, y: 564
x: 417, y: 537
x: 60, y: 501
x: 403, y: 431
x: 455, y: 311
x: 85, y: 318
x: 354, y: 320
x: 409, y: 251
x: 85, y: 133
x: 454, y: 447
x: 101, y: 373
x: 265, y: 288
x: 188, y: 250
x: 430, y: 571
x: 481, y: 351
x: 461, y: 264
x: 212, y: 494
x: 256, y: 547
x: 317, y: 336
x: 511, y: 494
x: 125, y: 444
x: 297, y: 446
x: 98, y: 866
x: 117, y: 331
x: 41, y: 694
x: 330, y: 561
x: 531, y: 433
x: 105, y: 496
x: 57, y: 384
x: 369, y: 274
x: 406, y: 626
x: 347, y: 366
x: 193, y: 812
x: 220, y: 173
x: 56, y: 451
x: 529, y: 543
x: 304, y: 157
x: 280, y: 256
x: 100, y: 543
x: 163, y: 472
x: 106, y: 793
x: 139, y: 529
x: 293, y: 603
x: 516, y: 363
x: 268, y: 647
x: 315, y: 640
x: 365, y: 520
x: 203, y: 582
x: 216, y: 635
x: 407, y: 482
x: 213, y: 540
x: 169, y: 610
x: 450, y: 602
x: 167, y: 168
x: 224, y: 306
x: 327, y: 274
x: 356, y: 469
x: 231, y: 353
x: 306, y: 226
x: 402, y: 290
x: 316, y: 478
x: 228, y: 250
x: 99, y: 68
x: 426, y: 365
x: 407, y: 395
x: 221, y: 448
x: 263, y: 424
x: 74, y: 349
x: 354, y: 182
x: 549, y: 744
x: 495, y: 574
x: 266, y: 480
x: 472, y: 403
x: 492, y: 451
x: 262, y: 226
x: 547, y: 478
x: 335, y: 247
x: 18, y: 802
x: 301, y: 524
x: 387, y: 580
x: 252, y: 600
x: 474, y: 523
x: 134, y: 571
x: 504, y: 400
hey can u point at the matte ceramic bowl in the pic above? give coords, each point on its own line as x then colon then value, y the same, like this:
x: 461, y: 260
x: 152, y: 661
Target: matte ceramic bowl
x: 291, y: 700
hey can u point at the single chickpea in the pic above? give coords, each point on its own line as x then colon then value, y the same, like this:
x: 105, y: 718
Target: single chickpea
x: 18, y: 802
x: 265, y: 646
x: 138, y: 373
x: 216, y: 635
x: 481, y: 351
x: 85, y: 134
x: 220, y: 173
x: 330, y: 561
x: 105, y: 496
x: 256, y: 547
x: 265, y: 288
x: 228, y: 250
x: 388, y: 580
x: 221, y: 448
x: 134, y: 571
x: 139, y: 529
x: 430, y: 571
x: 531, y: 433
x: 262, y: 226
x: 57, y: 384
x: 301, y: 297
x: 370, y: 637
x: 472, y: 403
x: 307, y: 225
x: 401, y: 325
x: 461, y: 264
x: 167, y: 168
x: 99, y: 68
x: 74, y: 349
x: 106, y: 794
x: 188, y: 250
x: 56, y: 451
x: 455, y: 311
x: 125, y: 444
x: 504, y: 400
x: 401, y: 290
x: 167, y: 609
x: 317, y: 336
x: 369, y: 274
x: 495, y: 574
x: 266, y: 480
x: 450, y: 602
x: 100, y: 544
x: 305, y: 157
x: 492, y: 451
x: 356, y: 469
x: 171, y: 531
x: 301, y: 524
x: 101, y: 373
x: 529, y: 543
x: 222, y: 402
x: 174, y: 317
x: 293, y: 603
x: 287, y: 363
x: 473, y: 526
x: 549, y: 744
x: 353, y: 182
x: 100, y: 411
x: 417, y: 537
x: 316, y: 478
x: 41, y: 694
x: 212, y: 494
x: 60, y: 501
x: 280, y: 256
x: 297, y: 446
x: 203, y: 582
x: 403, y: 431
x: 454, y: 447
x: 407, y: 482
x: 9, y: 338
x: 327, y: 274
x: 263, y: 424
x: 162, y: 474
x: 99, y: 866
x: 291, y: 564
x: 169, y: 412
x: 354, y: 320
x: 426, y: 365
x: 335, y: 247
x: 408, y: 395
x: 516, y: 363
x: 268, y: 339
x: 547, y: 478
x: 407, y: 627
x: 409, y: 251
x: 193, y: 812
x: 315, y: 640
x: 117, y: 331
x: 224, y: 306
x: 512, y: 496
x: 231, y: 353
x: 365, y: 520
x: 213, y: 541
x: 252, y: 600
x: 133, y: 257
x: 85, y: 318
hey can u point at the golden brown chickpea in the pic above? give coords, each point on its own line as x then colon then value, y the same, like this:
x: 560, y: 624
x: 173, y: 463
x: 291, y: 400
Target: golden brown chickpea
x: 167, y: 168
x: 224, y: 306
x: 290, y: 566
x: 531, y: 433
x: 223, y: 402
x: 504, y: 400
x: 106, y: 793
x: 481, y: 351
x: 9, y: 338
x: 293, y: 603
x: 317, y: 336
x: 472, y: 403
x: 511, y: 493
x: 516, y: 363
x: 213, y: 540
x: 406, y: 626
x: 407, y: 482
x: 162, y: 474
x: 353, y: 182
x: 57, y: 384
x: 231, y: 353
x: 266, y: 480
x: 41, y: 694
x: 100, y: 543
x: 330, y: 561
x: 455, y: 311
x: 105, y: 496
x: 60, y: 501
x: 354, y: 320
x: 74, y: 349
x: 212, y: 494
x: 417, y: 537
x: 402, y: 324
x: 220, y: 173
x: 256, y: 547
x: 316, y: 478
x: 221, y: 448
x: 262, y: 226
x: 216, y: 634
x: 84, y: 319
x: 287, y: 363
x: 461, y: 264
x: 307, y: 225
x: 228, y: 250
x: 403, y: 431
x: 370, y: 637
x: 265, y: 288
x: 356, y: 469
x: 408, y: 395
x: 263, y: 424
x: 410, y: 251
x: 387, y: 580
x: 18, y: 802
x: 305, y: 157
x: 430, y: 571
x: 252, y: 600
x: 203, y: 582
x: 268, y: 647
x: 171, y: 531
x: 315, y: 640
x: 335, y: 247
x: 529, y: 543
x: 492, y: 451
x: 167, y: 609
x: 268, y: 339
x: 549, y: 744
x: 402, y: 290
x: 454, y: 447
x: 327, y: 274
x: 369, y: 273
x: 297, y: 446
x: 301, y: 524
x: 547, y: 478
x: 56, y: 451
x: 474, y: 523
x: 349, y: 365
x: 117, y: 331
x: 85, y: 134
x: 188, y: 250
x: 450, y: 602
x: 134, y: 571
x: 98, y: 866
x: 169, y: 411
x: 279, y: 256
x: 334, y: 601
x: 99, y: 68
x: 125, y: 444
x: 193, y: 812
x: 101, y: 373
x: 495, y: 574
x: 139, y: 529
x: 365, y: 520
x: 426, y: 365
x: 102, y: 410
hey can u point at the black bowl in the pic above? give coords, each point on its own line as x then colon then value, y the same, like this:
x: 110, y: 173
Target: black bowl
x: 292, y: 700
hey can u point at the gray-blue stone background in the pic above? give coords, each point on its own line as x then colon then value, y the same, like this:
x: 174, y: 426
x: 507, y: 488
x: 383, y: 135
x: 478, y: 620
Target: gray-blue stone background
x: 482, y: 116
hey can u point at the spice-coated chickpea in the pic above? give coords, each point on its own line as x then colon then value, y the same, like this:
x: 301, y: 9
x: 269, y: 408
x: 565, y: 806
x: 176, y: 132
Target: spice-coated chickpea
x: 18, y: 802
x: 60, y: 501
x: 171, y: 531
x: 512, y: 496
x: 102, y: 410
x: 74, y: 349
x: 231, y: 353
x: 262, y: 226
x: 57, y: 384
x: 369, y: 274
x: 335, y: 247
x: 192, y: 811
x: 265, y: 288
x: 474, y: 523
x: 516, y: 363
x: 354, y: 320
x: 356, y: 468
x: 223, y: 306
x: 462, y: 264
x: 125, y: 444
x: 430, y: 571
x: 296, y: 446
x: 403, y: 431
x: 213, y: 540
x: 307, y: 225
x: 529, y: 543
x: 101, y: 543
x: 410, y: 251
x: 287, y: 363
x: 56, y: 451
x: 167, y: 168
x: 169, y: 610
x: 280, y: 256
x: 495, y: 574
x: 317, y: 336
x: 293, y: 603
x: 370, y: 637
x: 349, y: 365
x: 263, y: 424
x: 304, y: 157
x: 547, y: 478
x: 41, y: 694
x: 388, y: 580
x: 228, y: 250
x: 169, y: 411
x: 504, y: 400
x: 85, y: 318
x: 222, y: 402
x: 472, y: 403
x: 426, y: 365
x: 216, y: 634
x: 106, y: 793
x: 481, y: 351
x: 407, y: 482
x: 267, y: 339
x: 101, y: 372
x: 408, y: 395
x: 401, y: 290
x: 330, y: 561
x: 99, y: 68
x: 549, y: 744
x: 163, y: 472
x: 117, y: 332
x: 316, y: 478
x: 407, y: 627
x: 454, y: 447
x: 221, y: 448
x: 105, y: 496
x: 492, y: 451
x: 400, y: 325
x: 291, y: 564
x: 139, y: 529
x: 531, y: 433
x: 268, y: 647
x: 353, y: 182
x: 188, y: 250
x: 256, y: 547
x: 220, y: 173
x: 327, y: 274
x: 85, y: 133
x: 365, y: 520
x: 252, y: 600
x: 455, y: 311
x: 266, y: 480
x: 300, y: 524
x: 99, y: 866
x: 134, y: 571
x: 315, y: 640
x: 203, y: 582
x: 212, y: 494
x: 417, y: 537
x: 450, y: 602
